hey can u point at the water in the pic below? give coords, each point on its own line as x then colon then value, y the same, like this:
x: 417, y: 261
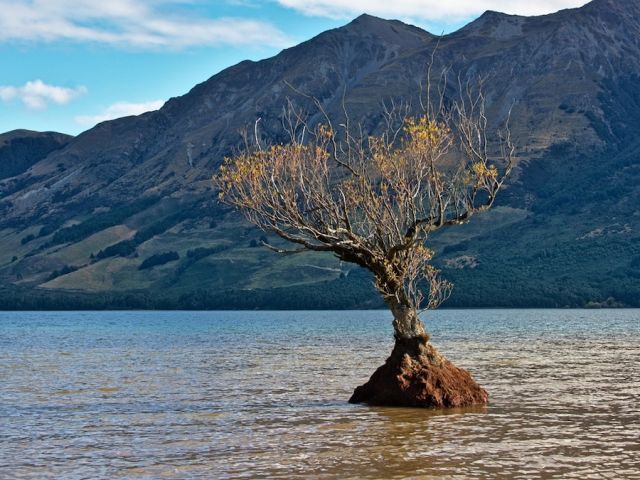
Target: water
x: 181, y: 395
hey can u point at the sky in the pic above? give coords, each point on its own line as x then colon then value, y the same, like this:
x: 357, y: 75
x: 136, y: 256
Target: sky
x: 67, y: 65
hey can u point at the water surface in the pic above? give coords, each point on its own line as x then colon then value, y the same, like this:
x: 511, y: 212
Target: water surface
x: 220, y: 395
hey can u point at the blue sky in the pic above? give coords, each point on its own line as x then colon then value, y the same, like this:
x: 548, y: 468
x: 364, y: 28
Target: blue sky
x: 68, y: 64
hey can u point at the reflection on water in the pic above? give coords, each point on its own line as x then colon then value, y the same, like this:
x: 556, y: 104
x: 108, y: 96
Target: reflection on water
x: 263, y: 395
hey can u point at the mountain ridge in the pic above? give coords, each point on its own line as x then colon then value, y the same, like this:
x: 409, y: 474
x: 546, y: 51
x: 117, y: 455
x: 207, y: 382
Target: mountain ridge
x: 20, y: 149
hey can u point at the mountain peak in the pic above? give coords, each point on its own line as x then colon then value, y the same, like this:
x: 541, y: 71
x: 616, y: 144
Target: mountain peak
x: 606, y: 6
x: 609, y: 3
x: 368, y: 21
x: 365, y: 21
x: 370, y: 24
x: 365, y: 17
x: 496, y: 25
x: 502, y: 26
x: 494, y: 15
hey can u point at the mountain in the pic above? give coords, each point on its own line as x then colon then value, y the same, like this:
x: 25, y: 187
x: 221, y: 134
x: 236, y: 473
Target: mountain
x: 20, y: 149
x: 124, y: 214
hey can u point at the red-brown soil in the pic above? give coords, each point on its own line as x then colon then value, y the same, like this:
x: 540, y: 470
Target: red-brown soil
x: 417, y: 375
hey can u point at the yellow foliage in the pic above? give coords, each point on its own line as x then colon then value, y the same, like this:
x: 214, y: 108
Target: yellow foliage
x: 425, y: 132
x: 482, y: 171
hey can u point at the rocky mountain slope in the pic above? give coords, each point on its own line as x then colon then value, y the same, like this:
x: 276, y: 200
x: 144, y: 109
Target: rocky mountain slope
x: 127, y: 210
x: 20, y: 149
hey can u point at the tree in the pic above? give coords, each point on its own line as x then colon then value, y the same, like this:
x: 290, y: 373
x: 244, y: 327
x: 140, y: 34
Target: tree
x: 374, y: 200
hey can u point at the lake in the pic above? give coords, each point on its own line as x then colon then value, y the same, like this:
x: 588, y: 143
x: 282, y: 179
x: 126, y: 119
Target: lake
x: 190, y: 395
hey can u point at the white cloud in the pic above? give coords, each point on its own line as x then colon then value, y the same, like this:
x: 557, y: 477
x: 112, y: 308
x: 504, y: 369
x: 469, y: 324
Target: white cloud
x: 117, y: 110
x: 150, y: 24
x: 430, y: 10
x: 37, y: 95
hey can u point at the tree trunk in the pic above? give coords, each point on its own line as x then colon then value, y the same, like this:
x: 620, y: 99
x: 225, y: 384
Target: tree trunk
x: 417, y: 374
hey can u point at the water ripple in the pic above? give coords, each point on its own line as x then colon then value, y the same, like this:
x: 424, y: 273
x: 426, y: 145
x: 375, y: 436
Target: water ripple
x: 193, y: 395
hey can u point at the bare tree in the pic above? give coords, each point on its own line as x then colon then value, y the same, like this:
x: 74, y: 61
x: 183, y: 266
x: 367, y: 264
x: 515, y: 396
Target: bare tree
x: 374, y: 200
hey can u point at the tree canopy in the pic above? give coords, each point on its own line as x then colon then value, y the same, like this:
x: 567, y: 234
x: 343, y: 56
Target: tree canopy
x: 374, y: 198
